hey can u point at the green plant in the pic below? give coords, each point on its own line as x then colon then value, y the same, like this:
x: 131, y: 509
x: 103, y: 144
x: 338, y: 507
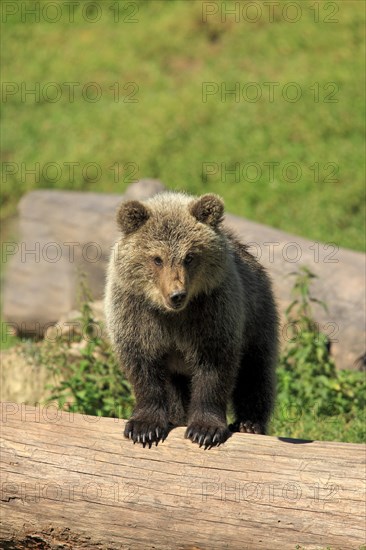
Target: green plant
x: 93, y: 382
x: 310, y: 392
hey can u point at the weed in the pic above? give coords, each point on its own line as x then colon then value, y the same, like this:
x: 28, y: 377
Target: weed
x: 87, y: 378
x: 311, y: 393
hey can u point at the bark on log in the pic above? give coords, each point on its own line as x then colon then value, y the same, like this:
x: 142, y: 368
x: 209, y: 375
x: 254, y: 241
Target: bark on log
x: 73, y: 482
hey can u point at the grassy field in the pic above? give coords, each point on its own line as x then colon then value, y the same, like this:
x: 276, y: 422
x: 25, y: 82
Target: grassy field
x: 285, y: 149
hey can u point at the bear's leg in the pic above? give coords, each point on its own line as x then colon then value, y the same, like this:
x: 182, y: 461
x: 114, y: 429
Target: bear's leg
x: 254, y: 391
x: 210, y: 393
x: 149, y: 422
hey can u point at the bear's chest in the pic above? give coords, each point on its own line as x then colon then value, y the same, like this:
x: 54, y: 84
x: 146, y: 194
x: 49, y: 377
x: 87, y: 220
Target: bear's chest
x: 176, y: 363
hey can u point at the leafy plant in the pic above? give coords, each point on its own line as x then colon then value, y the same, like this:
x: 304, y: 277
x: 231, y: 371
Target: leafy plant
x: 310, y: 390
x: 93, y: 382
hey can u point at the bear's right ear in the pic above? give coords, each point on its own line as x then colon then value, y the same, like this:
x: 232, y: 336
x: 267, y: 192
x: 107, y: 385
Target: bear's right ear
x: 131, y: 215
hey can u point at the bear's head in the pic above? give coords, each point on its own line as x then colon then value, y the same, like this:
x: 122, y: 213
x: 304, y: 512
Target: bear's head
x: 172, y: 248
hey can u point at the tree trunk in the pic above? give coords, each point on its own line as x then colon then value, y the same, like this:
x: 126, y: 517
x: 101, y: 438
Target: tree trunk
x: 73, y: 482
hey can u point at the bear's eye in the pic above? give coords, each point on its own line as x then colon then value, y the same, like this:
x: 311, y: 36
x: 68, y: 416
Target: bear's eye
x: 188, y: 259
x: 158, y: 261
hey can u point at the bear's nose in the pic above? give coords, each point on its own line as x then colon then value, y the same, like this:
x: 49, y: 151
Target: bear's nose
x: 177, y: 297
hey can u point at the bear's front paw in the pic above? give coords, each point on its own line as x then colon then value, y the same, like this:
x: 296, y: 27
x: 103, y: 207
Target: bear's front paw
x: 147, y: 431
x: 207, y: 435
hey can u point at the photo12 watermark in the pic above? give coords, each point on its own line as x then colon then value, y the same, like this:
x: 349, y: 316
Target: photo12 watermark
x: 70, y: 11
x: 270, y: 11
x: 69, y: 172
x: 96, y: 492
x: 270, y: 492
x: 52, y: 413
x: 69, y: 92
x: 271, y: 172
x: 270, y: 92
x: 93, y: 252
x: 78, y: 330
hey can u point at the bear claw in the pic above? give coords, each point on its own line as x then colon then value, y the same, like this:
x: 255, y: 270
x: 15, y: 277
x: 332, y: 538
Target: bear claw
x: 143, y: 432
x: 207, y: 436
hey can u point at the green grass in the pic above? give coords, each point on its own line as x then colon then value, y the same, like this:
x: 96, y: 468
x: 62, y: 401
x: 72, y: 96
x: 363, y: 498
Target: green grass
x: 169, y: 133
x: 310, y: 426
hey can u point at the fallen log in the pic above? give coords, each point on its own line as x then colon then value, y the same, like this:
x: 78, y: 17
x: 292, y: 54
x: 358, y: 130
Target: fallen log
x: 71, y: 481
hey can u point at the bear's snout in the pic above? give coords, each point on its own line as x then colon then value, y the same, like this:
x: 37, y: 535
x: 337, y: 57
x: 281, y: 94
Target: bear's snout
x: 177, y: 298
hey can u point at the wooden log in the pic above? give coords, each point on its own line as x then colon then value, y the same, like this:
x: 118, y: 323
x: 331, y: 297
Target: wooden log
x: 73, y: 482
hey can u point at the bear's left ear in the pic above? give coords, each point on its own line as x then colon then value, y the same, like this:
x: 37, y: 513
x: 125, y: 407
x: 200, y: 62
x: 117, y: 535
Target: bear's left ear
x: 131, y: 215
x: 208, y: 209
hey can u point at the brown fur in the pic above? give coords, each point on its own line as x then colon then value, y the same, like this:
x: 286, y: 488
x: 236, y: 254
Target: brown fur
x: 192, y: 319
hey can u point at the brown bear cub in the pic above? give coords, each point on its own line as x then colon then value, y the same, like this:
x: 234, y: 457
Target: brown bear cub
x: 192, y: 319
